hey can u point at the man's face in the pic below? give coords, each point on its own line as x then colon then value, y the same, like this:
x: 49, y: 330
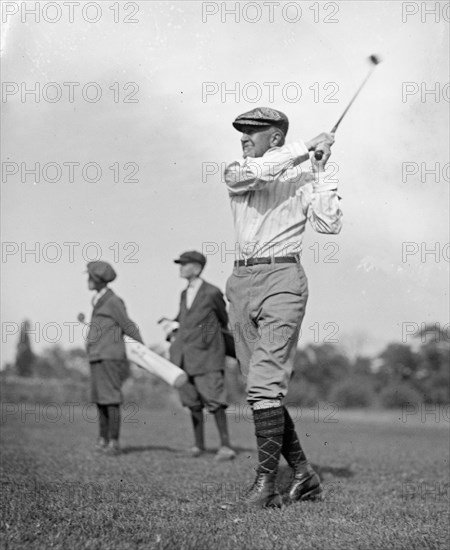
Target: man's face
x: 256, y: 141
x: 91, y: 283
x: 190, y: 270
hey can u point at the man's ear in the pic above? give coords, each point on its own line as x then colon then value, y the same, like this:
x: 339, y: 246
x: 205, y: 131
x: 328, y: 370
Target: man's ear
x: 277, y: 138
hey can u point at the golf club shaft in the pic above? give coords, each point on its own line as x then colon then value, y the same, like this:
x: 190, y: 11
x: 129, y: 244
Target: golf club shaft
x: 318, y: 153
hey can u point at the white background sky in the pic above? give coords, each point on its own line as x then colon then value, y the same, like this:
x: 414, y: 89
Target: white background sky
x: 368, y: 294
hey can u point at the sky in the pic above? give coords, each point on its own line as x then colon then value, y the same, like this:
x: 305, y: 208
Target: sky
x: 164, y: 120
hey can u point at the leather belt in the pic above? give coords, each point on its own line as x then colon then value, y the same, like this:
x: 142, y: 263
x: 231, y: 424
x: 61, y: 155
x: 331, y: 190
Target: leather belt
x: 258, y: 261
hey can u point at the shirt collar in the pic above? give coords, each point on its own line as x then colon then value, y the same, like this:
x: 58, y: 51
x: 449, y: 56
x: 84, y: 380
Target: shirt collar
x: 98, y: 295
x: 195, y: 283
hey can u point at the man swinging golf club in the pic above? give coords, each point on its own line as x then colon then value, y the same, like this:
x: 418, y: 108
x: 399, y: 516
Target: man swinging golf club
x: 272, y: 198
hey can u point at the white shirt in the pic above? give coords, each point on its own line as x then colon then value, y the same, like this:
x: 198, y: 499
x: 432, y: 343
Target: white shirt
x: 98, y: 295
x: 191, y: 291
x: 272, y: 197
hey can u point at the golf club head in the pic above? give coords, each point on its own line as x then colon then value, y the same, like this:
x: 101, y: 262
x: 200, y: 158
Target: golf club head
x: 375, y: 59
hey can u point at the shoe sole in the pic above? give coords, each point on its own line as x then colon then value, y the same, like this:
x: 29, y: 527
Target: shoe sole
x: 195, y: 453
x: 274, y: 502
x: 224, y: 458
x: 313, y: 494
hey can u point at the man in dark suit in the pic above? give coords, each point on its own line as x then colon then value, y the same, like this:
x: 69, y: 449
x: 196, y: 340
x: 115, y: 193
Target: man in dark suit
x: 198, y: 348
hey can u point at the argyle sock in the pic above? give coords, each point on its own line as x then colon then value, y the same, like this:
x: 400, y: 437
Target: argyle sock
x: 269, y: 429
x: 222, y: 426
x: 103, y: 421
x: 291, y: 448
x: 114, y: 421
x: 198, y: 425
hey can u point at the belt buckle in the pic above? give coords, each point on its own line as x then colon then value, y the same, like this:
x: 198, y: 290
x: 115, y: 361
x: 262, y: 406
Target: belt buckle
x: 245, y: 262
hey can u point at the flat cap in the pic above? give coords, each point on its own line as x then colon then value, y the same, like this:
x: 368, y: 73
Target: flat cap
x: 262, y: 116
x: 191, y: 256
x: 101, y: 271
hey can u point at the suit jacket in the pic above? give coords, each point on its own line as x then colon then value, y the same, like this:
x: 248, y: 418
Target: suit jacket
x: 199, y: 345
x: 108, y: 326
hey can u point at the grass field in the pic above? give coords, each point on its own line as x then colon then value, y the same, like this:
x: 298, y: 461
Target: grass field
x: 385, y: 476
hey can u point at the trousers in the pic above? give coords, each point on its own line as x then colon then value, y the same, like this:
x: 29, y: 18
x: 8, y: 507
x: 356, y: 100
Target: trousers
x: 267, y: 306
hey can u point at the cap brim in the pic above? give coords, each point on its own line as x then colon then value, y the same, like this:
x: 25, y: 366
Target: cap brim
x: 238, y: 125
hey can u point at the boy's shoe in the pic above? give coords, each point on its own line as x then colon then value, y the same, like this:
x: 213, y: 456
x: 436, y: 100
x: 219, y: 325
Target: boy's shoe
x: 113, y: 448
x: 196, y: 452
x: 101, y: 444
x: 225, y: 453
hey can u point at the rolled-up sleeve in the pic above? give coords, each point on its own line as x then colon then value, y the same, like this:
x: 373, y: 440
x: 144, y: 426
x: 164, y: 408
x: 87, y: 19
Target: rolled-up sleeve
x: 321, y: 205
x: 253, y: 174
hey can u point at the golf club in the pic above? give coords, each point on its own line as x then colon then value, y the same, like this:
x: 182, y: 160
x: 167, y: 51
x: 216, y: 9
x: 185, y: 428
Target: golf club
x: 374, y: 61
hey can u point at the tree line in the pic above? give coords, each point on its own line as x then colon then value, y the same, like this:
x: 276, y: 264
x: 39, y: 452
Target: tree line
x: 402, y: 373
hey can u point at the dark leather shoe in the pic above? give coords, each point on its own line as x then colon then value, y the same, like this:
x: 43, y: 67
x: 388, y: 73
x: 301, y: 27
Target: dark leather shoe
x: 263, y: 493
x: 305, y: 485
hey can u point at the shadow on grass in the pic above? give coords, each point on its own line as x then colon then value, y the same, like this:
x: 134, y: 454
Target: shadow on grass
x: 145, y: 448
x: 238, y: 450
x: 336, y: 472
x: 182, y: 451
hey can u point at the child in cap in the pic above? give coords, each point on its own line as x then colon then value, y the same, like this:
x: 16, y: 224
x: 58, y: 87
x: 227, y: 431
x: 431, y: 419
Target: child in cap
x: 106, y: 353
